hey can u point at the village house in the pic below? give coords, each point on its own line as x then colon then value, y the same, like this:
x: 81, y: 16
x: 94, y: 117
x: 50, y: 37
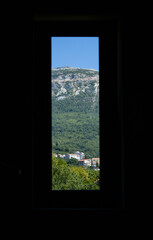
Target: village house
x: 84, y: 162
x: 69, y: 156
x: 95, y: 162
x: 81, y: 154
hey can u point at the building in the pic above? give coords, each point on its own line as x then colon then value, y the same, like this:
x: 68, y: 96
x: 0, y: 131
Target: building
x: 95, y: 162
x: 84, y: 162
x: 81, y: 154
x: 69, y: 156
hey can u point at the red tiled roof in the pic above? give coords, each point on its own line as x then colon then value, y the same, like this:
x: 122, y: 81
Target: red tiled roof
x: 84, y: 160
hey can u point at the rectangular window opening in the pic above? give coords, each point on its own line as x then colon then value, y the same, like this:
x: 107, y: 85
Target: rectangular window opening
x: 75, y: 144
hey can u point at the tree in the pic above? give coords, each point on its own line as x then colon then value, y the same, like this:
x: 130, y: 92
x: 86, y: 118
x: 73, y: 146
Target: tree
x: 67, y: 177
x: 72, y: 161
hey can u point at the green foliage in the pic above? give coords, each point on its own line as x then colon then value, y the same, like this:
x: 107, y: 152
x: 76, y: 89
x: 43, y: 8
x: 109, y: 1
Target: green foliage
x: 93, y: 175
x: 75, y: 132
x: 81, y: 172
x: 66, y: 177
x: 72, y: 161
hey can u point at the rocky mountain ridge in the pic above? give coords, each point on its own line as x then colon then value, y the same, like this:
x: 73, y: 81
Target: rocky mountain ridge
x: 68, y: 82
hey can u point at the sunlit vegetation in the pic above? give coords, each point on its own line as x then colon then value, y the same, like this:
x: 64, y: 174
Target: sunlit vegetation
x: 69, y: 177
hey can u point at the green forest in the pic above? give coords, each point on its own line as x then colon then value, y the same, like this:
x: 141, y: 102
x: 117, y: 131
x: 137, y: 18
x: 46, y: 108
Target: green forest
x: 75, y: 132
x: 71, y: 177
x: 75, y: 125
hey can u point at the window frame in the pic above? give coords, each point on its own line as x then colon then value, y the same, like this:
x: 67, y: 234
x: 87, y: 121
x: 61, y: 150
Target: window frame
x: 108, y: 30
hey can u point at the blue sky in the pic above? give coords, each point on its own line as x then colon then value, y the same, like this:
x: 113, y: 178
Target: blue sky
x: 80, y: 52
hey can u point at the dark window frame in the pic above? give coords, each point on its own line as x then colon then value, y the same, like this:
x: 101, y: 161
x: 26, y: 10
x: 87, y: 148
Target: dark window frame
x: 111, y: 194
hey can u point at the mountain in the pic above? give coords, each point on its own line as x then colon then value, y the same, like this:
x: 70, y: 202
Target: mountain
x: 75, y: 111
x: 75, y: 89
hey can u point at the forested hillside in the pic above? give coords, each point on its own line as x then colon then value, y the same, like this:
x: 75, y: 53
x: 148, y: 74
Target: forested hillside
x: 75, y: 131
x: 75, y: 111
